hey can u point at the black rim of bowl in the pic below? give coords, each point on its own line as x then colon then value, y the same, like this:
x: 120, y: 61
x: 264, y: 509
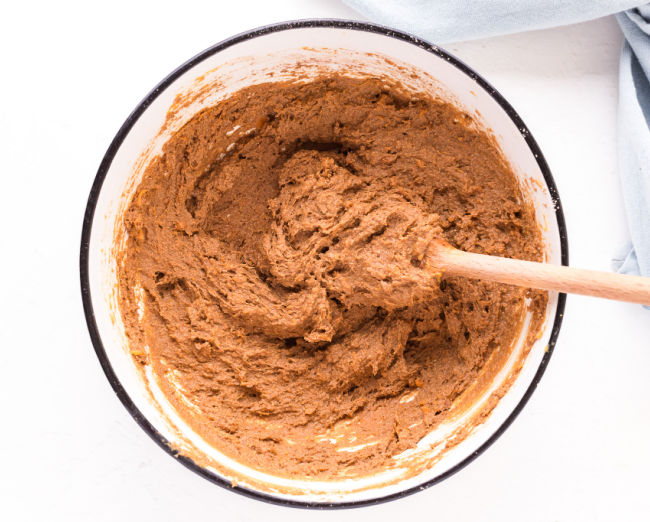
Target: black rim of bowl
x: 117, y: 142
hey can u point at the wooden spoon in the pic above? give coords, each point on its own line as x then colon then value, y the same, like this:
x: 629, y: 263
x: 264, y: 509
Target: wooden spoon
x: 442, y: 257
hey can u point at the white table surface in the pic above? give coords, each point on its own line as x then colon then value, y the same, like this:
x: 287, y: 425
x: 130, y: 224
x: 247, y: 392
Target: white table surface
x: 72, y: 73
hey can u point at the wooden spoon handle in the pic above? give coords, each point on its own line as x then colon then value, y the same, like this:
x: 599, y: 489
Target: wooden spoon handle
x: 449, y: 260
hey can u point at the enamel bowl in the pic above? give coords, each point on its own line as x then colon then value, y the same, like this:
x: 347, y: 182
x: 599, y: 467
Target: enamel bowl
x: 290, y: 50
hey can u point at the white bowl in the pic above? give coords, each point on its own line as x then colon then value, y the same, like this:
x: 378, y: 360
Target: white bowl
x: 331, y: 45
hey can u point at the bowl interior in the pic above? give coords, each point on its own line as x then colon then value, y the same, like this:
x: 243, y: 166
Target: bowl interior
x: 291, y: 52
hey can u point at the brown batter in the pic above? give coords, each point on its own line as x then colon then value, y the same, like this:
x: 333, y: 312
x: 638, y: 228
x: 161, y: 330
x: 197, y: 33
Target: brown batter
x: 279, y: 241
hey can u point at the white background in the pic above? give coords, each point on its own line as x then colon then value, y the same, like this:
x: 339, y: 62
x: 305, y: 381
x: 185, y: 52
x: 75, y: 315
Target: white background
x: 71, y: 73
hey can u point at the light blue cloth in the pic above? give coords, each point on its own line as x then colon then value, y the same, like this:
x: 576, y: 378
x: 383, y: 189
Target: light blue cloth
x: 441, y: 21
x: 634, y: 137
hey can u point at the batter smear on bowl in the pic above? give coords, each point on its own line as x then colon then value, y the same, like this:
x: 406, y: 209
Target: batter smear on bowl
x: 273, y: 274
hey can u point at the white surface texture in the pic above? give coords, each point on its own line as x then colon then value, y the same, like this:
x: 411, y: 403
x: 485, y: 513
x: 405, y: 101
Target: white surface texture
x: 580, y: 450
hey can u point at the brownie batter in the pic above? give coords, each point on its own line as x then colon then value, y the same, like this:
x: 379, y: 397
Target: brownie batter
x: 274, y: 273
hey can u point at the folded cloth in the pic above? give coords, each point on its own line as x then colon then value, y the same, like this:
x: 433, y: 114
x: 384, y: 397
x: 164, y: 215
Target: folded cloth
x: 451, y: 20
x: 634, y: 136
x: 443, y: 21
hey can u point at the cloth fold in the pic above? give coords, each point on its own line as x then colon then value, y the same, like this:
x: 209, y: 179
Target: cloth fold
x: 441, y: 21
x: 634, y: 136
